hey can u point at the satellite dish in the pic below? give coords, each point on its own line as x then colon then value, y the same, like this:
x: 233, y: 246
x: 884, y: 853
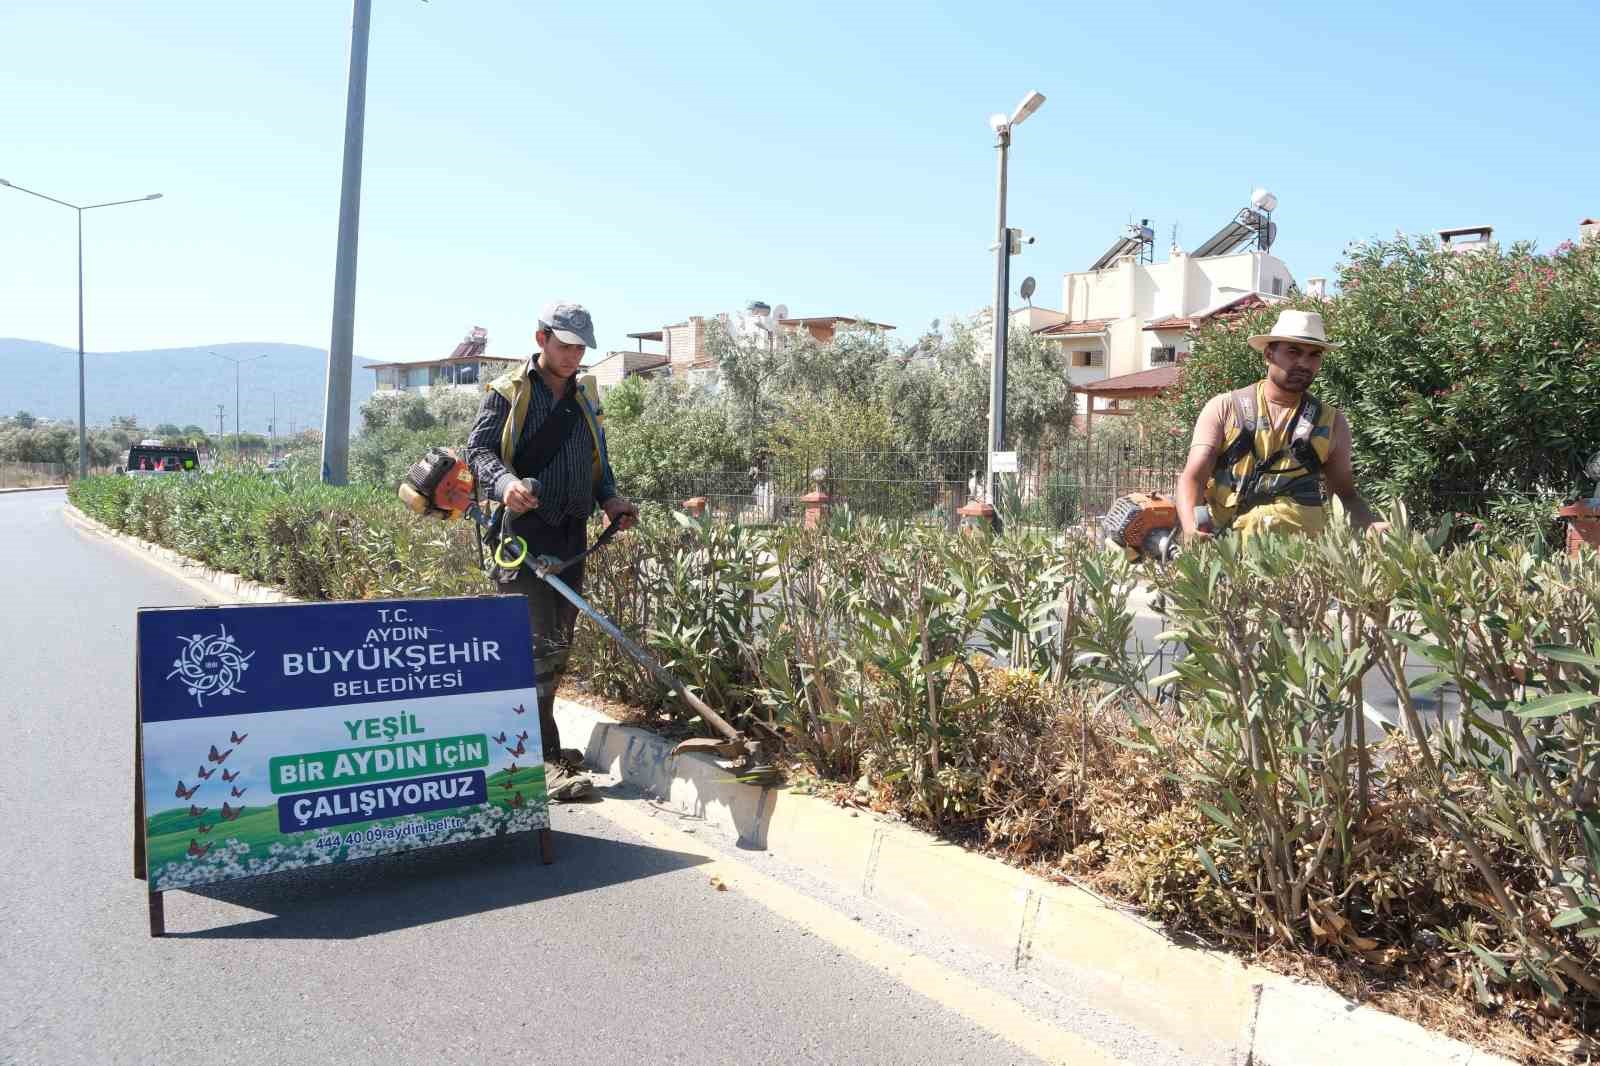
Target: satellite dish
x: 1028, y: 285
x: 780, y: 312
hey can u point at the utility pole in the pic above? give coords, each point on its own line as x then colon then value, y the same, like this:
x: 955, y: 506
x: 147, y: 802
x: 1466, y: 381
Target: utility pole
x: 336, y: 412
x: 219, y: 431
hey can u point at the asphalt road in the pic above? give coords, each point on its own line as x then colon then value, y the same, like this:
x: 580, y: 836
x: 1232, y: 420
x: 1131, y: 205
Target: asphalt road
x: 620, y: 951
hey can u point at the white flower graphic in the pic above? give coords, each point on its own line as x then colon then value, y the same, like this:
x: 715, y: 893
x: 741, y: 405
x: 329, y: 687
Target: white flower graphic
x: 210, y: 666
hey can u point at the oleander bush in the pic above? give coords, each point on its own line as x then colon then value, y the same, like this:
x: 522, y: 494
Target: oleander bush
x: 992, y: 688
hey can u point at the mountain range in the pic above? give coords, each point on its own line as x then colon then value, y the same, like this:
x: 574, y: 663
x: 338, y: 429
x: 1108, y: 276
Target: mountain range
x: 182, y: 386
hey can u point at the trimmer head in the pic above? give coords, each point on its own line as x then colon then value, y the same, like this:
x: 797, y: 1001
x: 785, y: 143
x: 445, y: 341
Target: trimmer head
x: 752, y: 764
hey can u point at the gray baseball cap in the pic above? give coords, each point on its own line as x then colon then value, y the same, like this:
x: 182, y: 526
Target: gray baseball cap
x: 569, y: 322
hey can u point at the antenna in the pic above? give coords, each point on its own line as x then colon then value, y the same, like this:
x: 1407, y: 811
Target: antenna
x: 1028, y: 285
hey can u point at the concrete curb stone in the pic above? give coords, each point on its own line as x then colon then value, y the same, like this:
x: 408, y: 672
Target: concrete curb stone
x: 1207, y: 1003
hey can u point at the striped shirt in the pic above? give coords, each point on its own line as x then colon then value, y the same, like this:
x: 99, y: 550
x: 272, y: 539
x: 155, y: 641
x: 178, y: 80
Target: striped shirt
x: 567, y: 486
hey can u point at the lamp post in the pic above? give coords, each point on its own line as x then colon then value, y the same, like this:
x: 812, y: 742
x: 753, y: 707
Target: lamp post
x: 272, y: 426
x: 1002, y: 126
x: 238, y: 438
x: 83, y: 431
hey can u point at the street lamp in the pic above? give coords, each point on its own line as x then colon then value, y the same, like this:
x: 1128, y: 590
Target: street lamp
x: 83, y: 430
x: 238, y: 439
x: 272, y: 426
x: 1002, y: 127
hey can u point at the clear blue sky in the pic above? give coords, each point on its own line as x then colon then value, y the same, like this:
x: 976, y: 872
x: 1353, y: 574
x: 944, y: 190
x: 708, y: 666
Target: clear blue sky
x: 661, y: 160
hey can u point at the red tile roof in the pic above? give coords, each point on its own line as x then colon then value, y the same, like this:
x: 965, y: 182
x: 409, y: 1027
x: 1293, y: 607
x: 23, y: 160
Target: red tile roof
x: 1243, y: 301
x: 1074, y: 329
x: 1144, y: 382
x: 834, y: 320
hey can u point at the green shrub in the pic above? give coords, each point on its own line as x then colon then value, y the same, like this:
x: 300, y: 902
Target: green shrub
x: 991, y: 686
x: 660, y: 435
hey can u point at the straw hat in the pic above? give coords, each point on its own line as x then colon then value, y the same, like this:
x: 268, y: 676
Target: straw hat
x: 1296, y: 327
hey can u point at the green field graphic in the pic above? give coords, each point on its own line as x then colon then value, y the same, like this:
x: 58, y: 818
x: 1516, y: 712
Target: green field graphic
x: 251, y: 845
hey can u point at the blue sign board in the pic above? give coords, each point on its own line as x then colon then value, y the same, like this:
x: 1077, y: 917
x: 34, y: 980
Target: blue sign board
x: 280, y: 736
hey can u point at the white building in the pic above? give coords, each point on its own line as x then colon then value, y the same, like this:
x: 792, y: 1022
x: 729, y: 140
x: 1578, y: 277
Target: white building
x: 466, y: 367
x: 1133, y: 316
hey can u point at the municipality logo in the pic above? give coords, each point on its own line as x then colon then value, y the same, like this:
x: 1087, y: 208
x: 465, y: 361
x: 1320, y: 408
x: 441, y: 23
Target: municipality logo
x: 210, y: 666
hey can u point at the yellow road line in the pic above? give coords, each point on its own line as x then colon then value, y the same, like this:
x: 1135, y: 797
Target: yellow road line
x: 980, y: 1005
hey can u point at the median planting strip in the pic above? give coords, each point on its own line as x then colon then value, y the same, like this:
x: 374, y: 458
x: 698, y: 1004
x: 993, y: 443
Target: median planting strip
x: 1208, y: 1003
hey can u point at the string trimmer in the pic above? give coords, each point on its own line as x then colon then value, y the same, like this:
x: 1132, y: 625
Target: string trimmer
x: 442, y: 485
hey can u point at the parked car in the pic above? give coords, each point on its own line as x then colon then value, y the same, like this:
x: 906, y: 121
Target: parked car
x: 147, y: 458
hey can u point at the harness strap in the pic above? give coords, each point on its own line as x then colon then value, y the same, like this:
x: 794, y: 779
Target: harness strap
x: 1297, y: 453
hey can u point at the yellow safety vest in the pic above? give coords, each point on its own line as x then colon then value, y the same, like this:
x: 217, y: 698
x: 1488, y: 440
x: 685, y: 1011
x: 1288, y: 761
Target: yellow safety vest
x: 517, y: 387
x: 1270, y: 477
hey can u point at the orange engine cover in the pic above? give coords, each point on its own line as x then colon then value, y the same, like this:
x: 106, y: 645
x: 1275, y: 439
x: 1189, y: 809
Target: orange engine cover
x: 1133, y: 517
x: 454, y: 492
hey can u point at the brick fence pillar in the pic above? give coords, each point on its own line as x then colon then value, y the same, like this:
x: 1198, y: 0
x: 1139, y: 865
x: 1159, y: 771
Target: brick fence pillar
x: 1583, y: 526
x: 976, y: 514
x: 695, y: 506
x: 816, y: 504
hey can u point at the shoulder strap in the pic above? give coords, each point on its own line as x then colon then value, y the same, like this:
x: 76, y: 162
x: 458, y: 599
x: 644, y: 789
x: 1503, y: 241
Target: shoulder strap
x: 1300, y: 437
x: 1244, y: 413
x: 552, y: 434
x: 1244, y: 405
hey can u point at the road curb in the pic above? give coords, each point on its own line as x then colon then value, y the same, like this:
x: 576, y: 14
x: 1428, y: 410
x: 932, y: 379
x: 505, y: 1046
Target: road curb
x: 31, y: 488
x: 185, y: 569
x: 1207, y: 1003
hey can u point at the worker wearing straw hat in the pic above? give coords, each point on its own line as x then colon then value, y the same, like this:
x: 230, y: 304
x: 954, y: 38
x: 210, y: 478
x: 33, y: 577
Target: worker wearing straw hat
x: 1268, y: 456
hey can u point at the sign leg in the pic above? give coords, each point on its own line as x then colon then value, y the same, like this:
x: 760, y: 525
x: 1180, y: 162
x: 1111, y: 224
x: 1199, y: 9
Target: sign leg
x: 138, y: 820
x: 138, y: 783
x: 547, y: 851
x: 158, y: 914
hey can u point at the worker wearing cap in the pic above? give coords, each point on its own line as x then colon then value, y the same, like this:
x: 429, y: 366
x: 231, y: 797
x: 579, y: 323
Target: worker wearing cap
x: 511, y: 440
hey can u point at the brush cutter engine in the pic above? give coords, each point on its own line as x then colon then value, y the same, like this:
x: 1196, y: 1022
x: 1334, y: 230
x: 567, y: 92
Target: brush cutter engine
x: 439, y: 485
x: 1145, y: 525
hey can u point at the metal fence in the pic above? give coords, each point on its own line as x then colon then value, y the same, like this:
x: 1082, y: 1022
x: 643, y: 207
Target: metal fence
x: 1061, y: 488
x: 25, y: 475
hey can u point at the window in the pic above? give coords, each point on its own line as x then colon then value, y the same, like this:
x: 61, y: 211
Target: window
x: 1277, y: 286
x: 1163, y: 356
x: 1089, y: 359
